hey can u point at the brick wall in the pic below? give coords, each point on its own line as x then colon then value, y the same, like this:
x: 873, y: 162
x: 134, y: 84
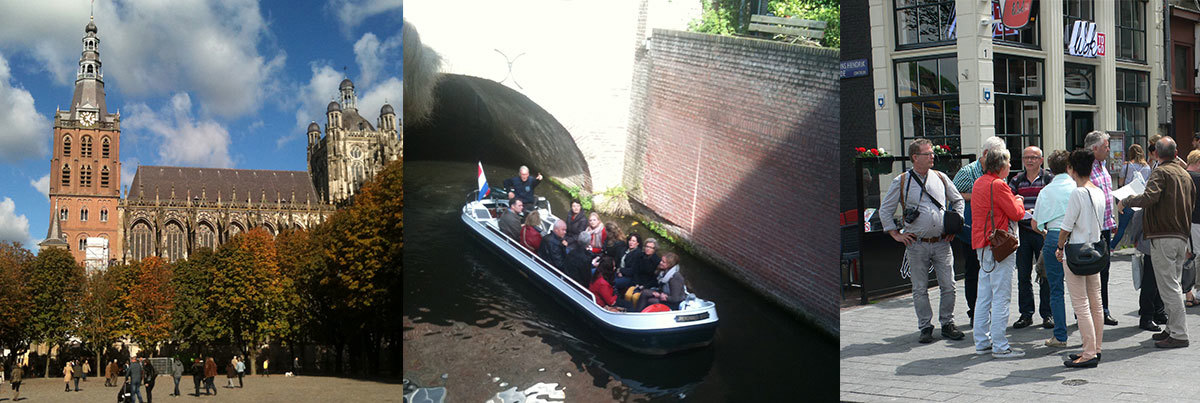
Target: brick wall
x: 733, y: 142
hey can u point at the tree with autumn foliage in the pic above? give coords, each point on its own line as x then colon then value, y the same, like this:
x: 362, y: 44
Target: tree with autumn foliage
x: 249, y: 300
x: 191, y: 324
x: 102, y: 313
x: 149, y: 302
x: 16, y: 305
x: 56, y: 287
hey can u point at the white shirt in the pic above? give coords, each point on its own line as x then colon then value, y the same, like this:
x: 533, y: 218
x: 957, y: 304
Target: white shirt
x: 1083, y: 219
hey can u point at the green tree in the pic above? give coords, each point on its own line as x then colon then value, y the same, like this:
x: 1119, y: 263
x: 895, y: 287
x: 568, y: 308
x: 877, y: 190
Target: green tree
x: 191, y: 324
x: 16, y: 305
x: 726, y: 17
x: 56, y: 283
x: 829, y: 11
x: 101, y: 310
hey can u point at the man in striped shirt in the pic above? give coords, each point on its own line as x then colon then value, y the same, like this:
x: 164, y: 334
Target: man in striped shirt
x: 1029, y: 184
x: 964, y: 180
x: 1097, y: 142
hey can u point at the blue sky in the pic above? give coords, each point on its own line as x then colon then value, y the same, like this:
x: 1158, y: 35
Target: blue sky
x: 229, y: 83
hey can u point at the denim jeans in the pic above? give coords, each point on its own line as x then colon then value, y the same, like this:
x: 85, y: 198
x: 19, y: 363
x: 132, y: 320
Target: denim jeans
x: 1105, y: 236
x: 1126, y: 215
x: 1031, y: 246
x: 135, y: 389
x: 1054, y: 276
x: 995, y: 295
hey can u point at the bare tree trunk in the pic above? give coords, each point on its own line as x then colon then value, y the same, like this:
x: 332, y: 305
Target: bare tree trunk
x: 253, y: 362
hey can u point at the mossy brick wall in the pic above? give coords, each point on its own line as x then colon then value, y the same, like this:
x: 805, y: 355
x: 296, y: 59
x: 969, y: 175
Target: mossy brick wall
x: 734, y: 141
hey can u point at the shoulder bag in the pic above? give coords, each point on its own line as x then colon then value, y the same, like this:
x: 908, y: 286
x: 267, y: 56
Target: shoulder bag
x: 952, y: 222
x: 1003, y: 243
x: 1087, y: 258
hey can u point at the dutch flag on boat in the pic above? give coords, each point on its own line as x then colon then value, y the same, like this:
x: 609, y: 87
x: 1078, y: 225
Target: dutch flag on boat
x: 483, y: 186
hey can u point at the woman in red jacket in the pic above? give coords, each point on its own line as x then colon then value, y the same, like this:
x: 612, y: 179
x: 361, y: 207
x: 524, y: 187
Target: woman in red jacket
x: 992, y: 198
x: 602, y: 279
x: 531, y: 231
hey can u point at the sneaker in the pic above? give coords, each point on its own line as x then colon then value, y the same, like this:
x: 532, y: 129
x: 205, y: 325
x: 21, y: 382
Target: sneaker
x: 951, y: 332
x: 1022, y: 323
x: 981, y: 351
x: 1010, y: 353
x: 1165, y: 334
x: 1053, y: 342
x: 1171, y: 342
x: 1047, y: 323
x: 926, y: 335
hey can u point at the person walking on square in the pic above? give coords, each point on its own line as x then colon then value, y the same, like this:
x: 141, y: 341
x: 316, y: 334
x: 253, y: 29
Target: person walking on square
x: 18, y: 373
x: 964, y: 180
x: 267, y: 362
x: 922, y: 192
x: 151, y: 374
x: 76, y: 373
x: 241, y: 370
x: 67, y: 376
x: 1097, y: 143
x: 135, y: 376
x: 1168, y: 201
x: 110, y: 374
x: 1029, y: 184
x: 86, y: 369
x: 198, y: 374
x: 176, y: 374
x: 995, y: 207
x: 1048, y: 213
x: 1193, y: 169
x: 210, y: 373
x: 1081, y: 224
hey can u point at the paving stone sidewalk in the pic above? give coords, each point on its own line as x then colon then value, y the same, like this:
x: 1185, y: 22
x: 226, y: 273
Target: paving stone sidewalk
x: 881, y: 359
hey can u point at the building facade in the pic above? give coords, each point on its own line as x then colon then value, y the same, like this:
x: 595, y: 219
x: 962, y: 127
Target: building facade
x: 351, y: 150
x: 1185, y: 101
x: 85, y: 165
x: 950, y: 72
x: 172, y: 212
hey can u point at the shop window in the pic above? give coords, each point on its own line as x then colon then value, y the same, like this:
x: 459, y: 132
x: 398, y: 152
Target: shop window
x: 1133, y: 99
x: 924, y: 23
x: 1019, y: 96
x: 1026, y: 37
x: 1131, y: 30
x: 927, y: 92
x: 1080, y: 83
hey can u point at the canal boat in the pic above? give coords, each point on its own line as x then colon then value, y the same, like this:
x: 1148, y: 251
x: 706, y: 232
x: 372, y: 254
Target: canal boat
x: 653, y: 333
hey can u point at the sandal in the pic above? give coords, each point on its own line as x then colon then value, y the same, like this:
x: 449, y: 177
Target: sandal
x: 1191, y: 303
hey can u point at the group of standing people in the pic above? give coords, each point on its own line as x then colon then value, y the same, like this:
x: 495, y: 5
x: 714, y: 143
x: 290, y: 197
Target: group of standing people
x: 625, y: 273
x: 1048, y: 211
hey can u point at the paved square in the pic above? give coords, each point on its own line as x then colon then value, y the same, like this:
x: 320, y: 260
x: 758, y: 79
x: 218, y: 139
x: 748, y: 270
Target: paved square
x: 881, y: 359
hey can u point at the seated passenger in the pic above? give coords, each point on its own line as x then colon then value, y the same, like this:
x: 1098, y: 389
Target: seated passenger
x: 646, y: 266
x: 579, y: 263
x: 576, y: 221
x: 521, y: 187
x: 601, y: 285
x: 626, y: 255
x: 554, y: 245
x: 614, y: 239
x: 594, y: 235
x: 670, y: 281
x: 510, y: 221
x: 531, y: 232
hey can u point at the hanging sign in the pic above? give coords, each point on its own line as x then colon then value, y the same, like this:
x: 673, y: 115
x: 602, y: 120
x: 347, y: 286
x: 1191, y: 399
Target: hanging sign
x: 1100, y: 44
x: 998, y: 29
x: 1085, y: 41
x: 1016, y: 13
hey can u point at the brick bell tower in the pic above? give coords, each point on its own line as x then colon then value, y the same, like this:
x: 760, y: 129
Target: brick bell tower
x: 85, y: 168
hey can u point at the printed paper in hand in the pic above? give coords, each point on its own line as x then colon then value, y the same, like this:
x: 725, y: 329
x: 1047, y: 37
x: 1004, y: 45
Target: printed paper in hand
x: 1134, y: 186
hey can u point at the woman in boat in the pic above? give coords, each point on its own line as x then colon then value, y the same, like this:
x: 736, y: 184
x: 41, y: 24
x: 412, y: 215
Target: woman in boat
x: 614, y: 238
x: 602, y: 280
x: 531, y: 231
x: 576, y: 221
x: 594, y: 236
x: 670, y: 281
x: 625, y: 255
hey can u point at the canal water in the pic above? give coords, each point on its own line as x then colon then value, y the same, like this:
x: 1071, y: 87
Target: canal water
x: 476, y: 326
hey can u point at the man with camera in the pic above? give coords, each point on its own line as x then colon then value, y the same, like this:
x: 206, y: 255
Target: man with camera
x: 930, y: 204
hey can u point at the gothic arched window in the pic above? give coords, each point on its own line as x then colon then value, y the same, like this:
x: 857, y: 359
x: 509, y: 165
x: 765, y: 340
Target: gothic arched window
x: 63, y: 214
x: 67, y: 145
x: 104, y: 177
x: 205, y: 236
x: 176, y: 246
x: 103, y: 215
x: 85, y: 176
x: 66, y: 175
x: 85, y: 146
x: 141, y: 240
x: 83, y: 214
x: 104, y: 147
x: 82, y: 242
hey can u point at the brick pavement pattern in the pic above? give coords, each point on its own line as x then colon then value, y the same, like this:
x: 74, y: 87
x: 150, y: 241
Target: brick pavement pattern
x: 881, y: 359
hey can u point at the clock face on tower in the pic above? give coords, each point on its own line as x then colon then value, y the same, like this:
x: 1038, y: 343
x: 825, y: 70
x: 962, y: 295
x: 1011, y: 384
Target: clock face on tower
x: 88, y: 119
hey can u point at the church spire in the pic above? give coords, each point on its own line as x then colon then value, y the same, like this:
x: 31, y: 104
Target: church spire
x: 89, y: 80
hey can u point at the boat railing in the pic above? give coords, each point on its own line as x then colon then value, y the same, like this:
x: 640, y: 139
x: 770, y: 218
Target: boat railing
x: 543, y: 263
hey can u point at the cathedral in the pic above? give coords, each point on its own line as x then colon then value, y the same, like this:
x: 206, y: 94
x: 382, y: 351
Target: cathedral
x: 172, y: 212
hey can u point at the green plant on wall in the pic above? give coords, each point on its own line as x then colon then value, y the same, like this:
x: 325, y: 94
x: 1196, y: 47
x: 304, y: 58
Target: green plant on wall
x: 721, y: 17
x: 577, y: 194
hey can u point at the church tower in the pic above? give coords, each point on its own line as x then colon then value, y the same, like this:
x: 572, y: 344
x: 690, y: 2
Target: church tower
x: 352, y: 150
x: 85, y: 167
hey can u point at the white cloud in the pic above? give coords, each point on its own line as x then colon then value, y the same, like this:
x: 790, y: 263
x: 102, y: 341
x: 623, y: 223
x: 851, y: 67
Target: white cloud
x: 24, y: 132
x: 14, y: 227
x: 391, y: 91
x: 42, y: 185
x: 351, y: 13
x: 310, y: 101
x: 210, y: 49
x: 375, y: 58
x: 183, y: 140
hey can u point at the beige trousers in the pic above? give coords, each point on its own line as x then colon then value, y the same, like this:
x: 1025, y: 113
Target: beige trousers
x: 1089, y: 311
